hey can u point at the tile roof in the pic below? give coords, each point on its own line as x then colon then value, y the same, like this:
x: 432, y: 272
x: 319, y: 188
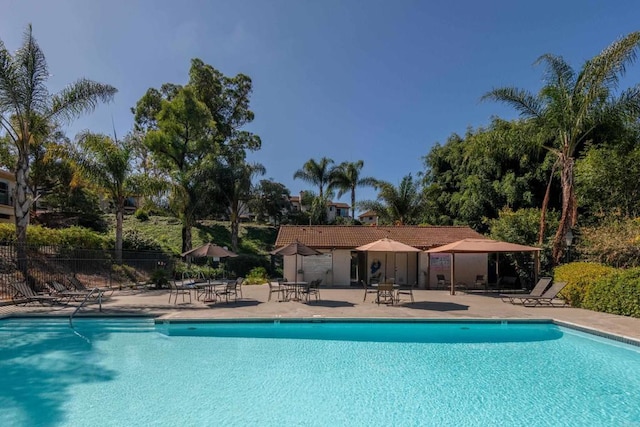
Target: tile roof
x: 368, y: 213
x: 339, y: 204
x: 351, y: 236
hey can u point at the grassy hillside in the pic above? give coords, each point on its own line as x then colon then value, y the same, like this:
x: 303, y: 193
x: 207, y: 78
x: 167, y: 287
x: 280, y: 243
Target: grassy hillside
x: 254, y: 239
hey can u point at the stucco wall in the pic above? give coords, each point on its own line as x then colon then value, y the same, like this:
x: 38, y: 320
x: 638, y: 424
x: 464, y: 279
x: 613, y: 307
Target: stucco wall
x: 467, y: 267
x: 333, y: 267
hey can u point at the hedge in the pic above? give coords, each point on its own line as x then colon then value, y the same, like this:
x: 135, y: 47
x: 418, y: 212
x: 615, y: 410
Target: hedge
x: 580, y: 278
x: 618, y: 293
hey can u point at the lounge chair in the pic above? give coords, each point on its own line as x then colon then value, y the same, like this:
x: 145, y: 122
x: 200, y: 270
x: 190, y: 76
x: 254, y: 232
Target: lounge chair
x: 367, y: 290
x: 63, y: 291
x: 548, y: 297
x: 79, y: 286
x: 406, y: 290
x: 239, y: 282
x: 24, y: 292
x: 537, y: 291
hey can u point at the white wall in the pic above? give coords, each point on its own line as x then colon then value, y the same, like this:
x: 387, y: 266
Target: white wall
x: 333, y: 267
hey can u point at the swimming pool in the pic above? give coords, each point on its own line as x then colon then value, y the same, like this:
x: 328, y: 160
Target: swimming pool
x: 131, y: 371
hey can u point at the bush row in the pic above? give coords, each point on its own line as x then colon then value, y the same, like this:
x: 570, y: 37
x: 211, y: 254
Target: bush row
x: 601, y: 288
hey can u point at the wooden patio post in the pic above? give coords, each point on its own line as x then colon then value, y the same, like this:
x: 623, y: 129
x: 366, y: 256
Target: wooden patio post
x: 453, y: 269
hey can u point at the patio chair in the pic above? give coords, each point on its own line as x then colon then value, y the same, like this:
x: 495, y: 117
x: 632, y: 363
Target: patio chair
x: 176, y: 289
x: 79, y: 286
x: 312, y: 289
x: 239, y: 282
x: 23, y: 291
x: 276, y: 287
x: 546, y: 298
x: 367, y: 290
x: 442, y: 283
x: 385, y: 293
x: 481, y: 282
x: 406, y: 290
x: 231, y: 289
x: 537, y: 291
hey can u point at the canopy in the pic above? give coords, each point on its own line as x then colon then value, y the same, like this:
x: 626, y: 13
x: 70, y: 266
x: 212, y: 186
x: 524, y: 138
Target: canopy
x: 210, y: 250
x: 386, y: 245
x: 474, y: 246
x: 295, y: 248
x: 480, y: 246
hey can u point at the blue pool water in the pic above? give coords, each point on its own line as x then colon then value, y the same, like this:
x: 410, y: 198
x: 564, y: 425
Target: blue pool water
x: 133, y: 372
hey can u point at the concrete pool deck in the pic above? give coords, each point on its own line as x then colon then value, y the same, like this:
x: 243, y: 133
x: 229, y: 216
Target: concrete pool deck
x: 339, y: 303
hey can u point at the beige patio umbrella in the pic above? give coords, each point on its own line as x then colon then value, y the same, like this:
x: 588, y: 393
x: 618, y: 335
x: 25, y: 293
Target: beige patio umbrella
x: 296, y: 248
x: 387, y: 245
x: 479, y: 246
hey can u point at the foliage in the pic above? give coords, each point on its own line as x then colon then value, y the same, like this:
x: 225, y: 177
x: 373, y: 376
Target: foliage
x: 616, y: 293
x: 615, y: 242
x: 473, y: 177
x: 240, y: 266
x: 27, y: 109
x: 141, y: 215
x: 401, y: 205
x: 122, y: 273
x: 580, y: 278
x: 521, y: 227
x: 256, y: 276
x: 72, y: 237
x: 346, y: 178
x: 271, y: 200
x: 316, y: 172
x: 607, y: 180
x: 571, y: 107
x: 136, y: 241
x: 160, y: 278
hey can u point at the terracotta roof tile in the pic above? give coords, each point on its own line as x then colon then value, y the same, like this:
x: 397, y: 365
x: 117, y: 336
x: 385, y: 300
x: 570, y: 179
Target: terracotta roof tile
x: 351, y: 236
x: 368, y: 213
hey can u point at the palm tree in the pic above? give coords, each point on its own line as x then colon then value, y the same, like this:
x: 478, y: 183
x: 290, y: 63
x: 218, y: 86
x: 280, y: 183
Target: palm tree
x: 316, y: 173
x: 25, y: 104
x: 570, y: 106
x: 107, y: 164
x: 346, y: 177
x: 400, y: 205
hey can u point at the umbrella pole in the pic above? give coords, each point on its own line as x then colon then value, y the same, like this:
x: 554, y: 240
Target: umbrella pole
x: 453, y: 269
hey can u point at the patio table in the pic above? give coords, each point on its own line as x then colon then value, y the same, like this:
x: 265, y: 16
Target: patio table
x: 209, y: 290
x: 296, y: 288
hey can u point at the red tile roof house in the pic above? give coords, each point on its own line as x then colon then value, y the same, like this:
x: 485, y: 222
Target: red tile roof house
x: 340, y: 265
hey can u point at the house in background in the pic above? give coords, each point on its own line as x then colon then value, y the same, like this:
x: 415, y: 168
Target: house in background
x: 7, y: 189
x: 334, y: 209
x: 368, y: 218
x: 341, y: 265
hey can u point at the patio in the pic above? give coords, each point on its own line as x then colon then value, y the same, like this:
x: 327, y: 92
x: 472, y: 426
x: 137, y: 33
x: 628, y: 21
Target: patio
x: 339, y: 303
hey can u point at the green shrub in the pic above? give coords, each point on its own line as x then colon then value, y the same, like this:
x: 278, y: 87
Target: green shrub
x: 580, y: 278
x: 123, y: 273
x: 256, y: 276
x: 141, y: 215
x: 617, y: 293
x: 72, y: 237
x: 135, y: 240
x: 243, y: 264
x: 160, y: 278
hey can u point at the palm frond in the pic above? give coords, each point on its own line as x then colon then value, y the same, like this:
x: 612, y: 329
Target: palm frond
x: 31, y: 67
x: 79, y: 97
x: 559, y: 72
x: 523, y: 101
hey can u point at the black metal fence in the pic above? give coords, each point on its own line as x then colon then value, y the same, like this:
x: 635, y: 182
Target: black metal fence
x: 92, y: 267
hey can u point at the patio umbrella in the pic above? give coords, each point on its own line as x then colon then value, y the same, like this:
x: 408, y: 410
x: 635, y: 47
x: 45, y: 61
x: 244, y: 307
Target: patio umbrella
x: 296, y: 248
x: 387, y: 245
x: 210, y: 250
x: 475, y: 246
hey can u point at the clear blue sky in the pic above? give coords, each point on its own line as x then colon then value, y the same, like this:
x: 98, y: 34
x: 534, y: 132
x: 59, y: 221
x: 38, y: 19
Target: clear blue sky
x: 380, y: 81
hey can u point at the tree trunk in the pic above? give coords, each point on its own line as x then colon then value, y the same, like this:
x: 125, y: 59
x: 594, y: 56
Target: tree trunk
x: 186, y: 234
x: 545, y: 204
x: 234, y: 217
x: 353, y: 206
x: 568, y: 201
x: 119, y: 221
x: 22, y: 204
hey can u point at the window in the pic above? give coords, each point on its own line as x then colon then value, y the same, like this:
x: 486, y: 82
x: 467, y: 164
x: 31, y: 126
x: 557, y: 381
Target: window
x: 4, y: 193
